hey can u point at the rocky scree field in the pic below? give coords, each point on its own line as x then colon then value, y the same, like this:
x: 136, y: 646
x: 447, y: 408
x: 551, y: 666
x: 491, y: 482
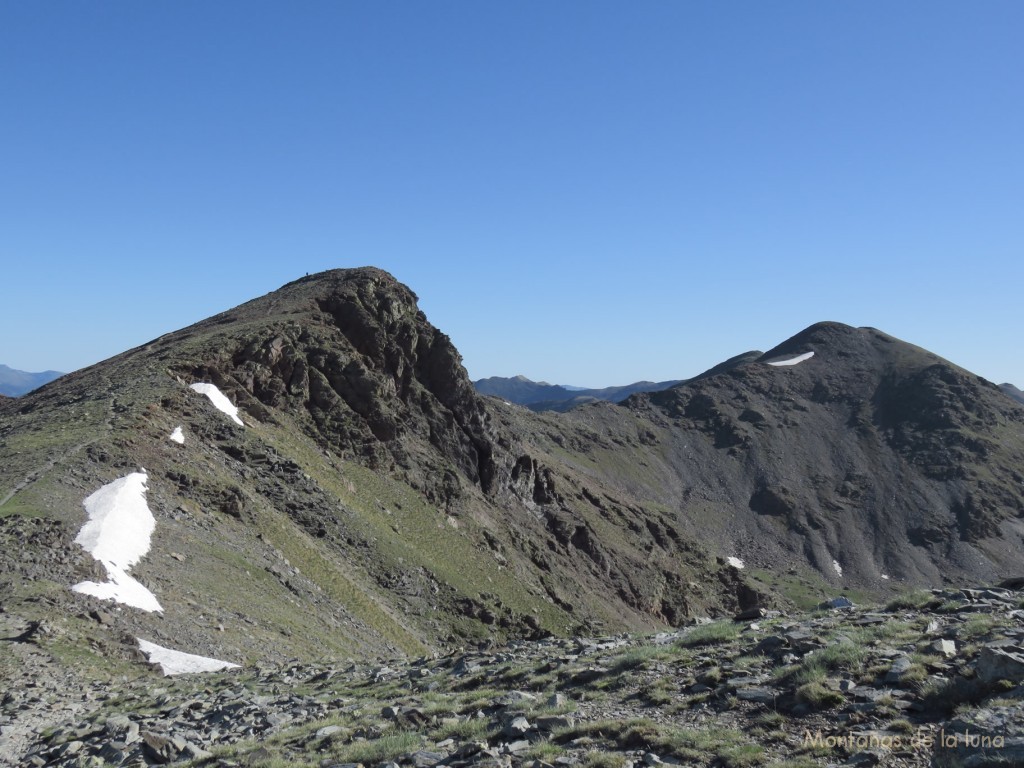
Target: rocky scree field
x: 934, y: 678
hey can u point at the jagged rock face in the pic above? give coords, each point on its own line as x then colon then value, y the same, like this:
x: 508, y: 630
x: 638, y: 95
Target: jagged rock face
x: 377, y: 381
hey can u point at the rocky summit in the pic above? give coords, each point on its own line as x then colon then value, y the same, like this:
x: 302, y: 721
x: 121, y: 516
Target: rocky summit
x: 312, y: 476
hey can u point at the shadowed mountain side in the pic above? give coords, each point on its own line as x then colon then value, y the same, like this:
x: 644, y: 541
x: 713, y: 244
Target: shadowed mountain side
x: 871, y: 459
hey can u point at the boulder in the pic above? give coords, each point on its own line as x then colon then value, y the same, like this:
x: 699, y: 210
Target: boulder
x: 1000, y: 664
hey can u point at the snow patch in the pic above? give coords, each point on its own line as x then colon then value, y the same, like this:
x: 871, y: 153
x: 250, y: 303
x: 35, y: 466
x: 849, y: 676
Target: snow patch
x: 177, y: 436
x: 837, y: 567
x: 179, y: 663
x: 117, y: 534
x: 219, y: 400
x: 735, y: 562
x: 794, y: 360
x: 885, y: 577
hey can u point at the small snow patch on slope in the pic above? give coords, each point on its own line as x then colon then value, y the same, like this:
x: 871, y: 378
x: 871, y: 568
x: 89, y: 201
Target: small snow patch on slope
x: 117, y: 534
x: 179, y: 663
x: 177, y: 436
x: 794, y: 360
x: 219, y: 400
x: 837, y: 567
x: 735, y: 562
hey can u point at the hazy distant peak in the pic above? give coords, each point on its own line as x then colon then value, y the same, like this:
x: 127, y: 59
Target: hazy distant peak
x: 15, y: 383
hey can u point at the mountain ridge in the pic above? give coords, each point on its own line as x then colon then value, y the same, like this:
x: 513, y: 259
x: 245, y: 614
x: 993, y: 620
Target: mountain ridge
x: 366, y: 470
x: 380, y: 506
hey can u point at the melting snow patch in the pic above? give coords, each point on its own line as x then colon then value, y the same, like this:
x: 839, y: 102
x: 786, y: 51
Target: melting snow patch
x: 735, y: 562
x: 117, y: 534
x: 794, y: 360
x: 838, y: 568
x: 178, y: 436
x: 219, y: 400
x: 179, y: 663
x: 885, y: 577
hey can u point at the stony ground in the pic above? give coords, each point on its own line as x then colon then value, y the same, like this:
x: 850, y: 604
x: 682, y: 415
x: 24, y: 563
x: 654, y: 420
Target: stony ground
x: 934, y: 678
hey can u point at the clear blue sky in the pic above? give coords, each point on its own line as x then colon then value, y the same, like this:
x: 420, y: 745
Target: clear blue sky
x: 584, y: 192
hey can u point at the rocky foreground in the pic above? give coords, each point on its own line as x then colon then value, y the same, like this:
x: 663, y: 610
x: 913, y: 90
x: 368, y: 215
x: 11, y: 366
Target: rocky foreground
x: 933, y: 678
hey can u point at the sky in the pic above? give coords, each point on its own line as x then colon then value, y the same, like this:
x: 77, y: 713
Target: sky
x: 584, y: 192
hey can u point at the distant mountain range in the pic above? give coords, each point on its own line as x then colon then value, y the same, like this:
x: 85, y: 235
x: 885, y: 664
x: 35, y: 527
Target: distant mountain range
x: 14, y: 383
x: 541, y: 396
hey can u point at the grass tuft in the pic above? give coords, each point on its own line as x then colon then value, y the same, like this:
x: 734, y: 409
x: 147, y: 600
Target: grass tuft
x: 388, y: 747
x: 818, y: 697
x: 716, y: 633
x: 915, y: 600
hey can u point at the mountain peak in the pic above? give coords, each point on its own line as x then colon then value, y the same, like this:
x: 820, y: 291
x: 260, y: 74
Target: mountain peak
x: 348, y: 282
